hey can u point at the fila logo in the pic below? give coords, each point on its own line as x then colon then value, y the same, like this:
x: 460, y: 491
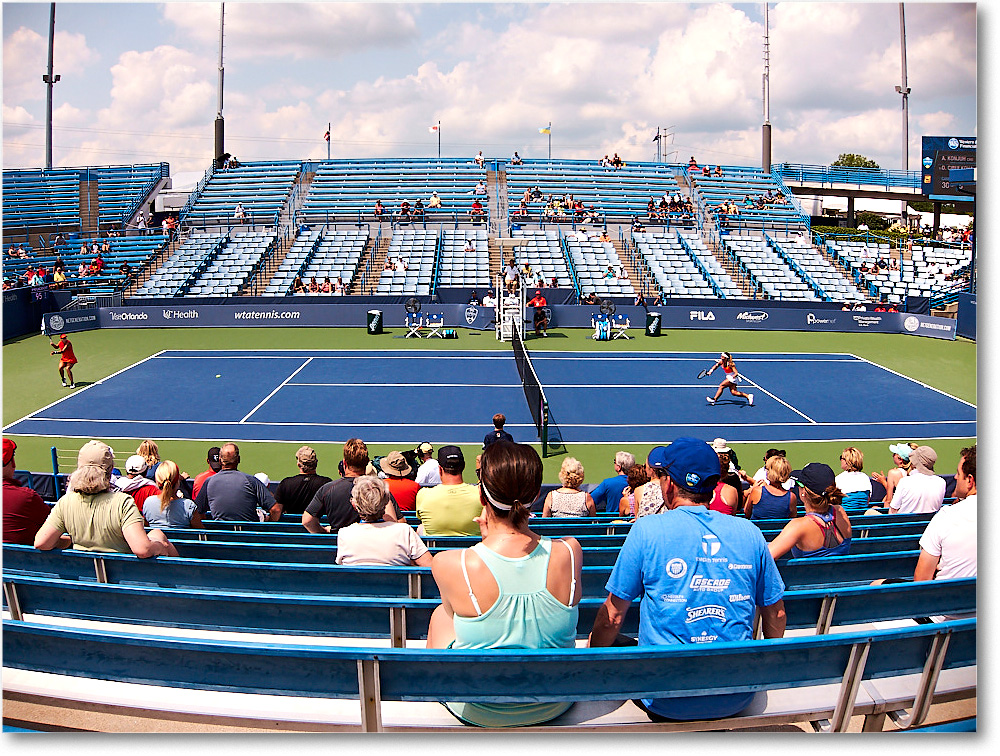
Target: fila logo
x: 701, y: 315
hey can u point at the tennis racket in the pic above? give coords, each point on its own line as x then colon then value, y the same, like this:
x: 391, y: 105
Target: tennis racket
x: 703, y: 373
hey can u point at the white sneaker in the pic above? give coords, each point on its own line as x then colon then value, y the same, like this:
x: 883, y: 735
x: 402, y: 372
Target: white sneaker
x: 65, y: 385
x: 710, y: 400
x: 72, y: 385
x: 750, y: 400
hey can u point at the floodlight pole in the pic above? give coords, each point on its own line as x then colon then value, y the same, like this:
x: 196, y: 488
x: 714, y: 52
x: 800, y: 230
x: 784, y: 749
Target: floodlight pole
x: 50, y: 80
x: 550, y: 141
x: 220, y: 123
x: 765, y: 152
x: 439, y: 141
x: 904, y: 90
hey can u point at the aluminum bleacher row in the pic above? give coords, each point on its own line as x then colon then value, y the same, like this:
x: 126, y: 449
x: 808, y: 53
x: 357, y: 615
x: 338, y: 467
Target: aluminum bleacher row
x: 262, y: 187
x: 180, y: 623
x: 47, y: 198
x: 734, y: 186
x: 322, y: 254
x: 210, y: 264
x: 348, y: 189
x: 617, y: 195
x: 926, y: 270
x: 683, y: 266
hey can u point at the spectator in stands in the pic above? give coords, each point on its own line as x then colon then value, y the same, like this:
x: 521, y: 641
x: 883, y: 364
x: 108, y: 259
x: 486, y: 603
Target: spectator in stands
x: 489, y: 300
x: 375, y: 540
x: 692, y: 164
x: 498, y: 433
x: 134, y: 482
x: 664, y: 556
x: 234, y: 495
x: 825, y: 530
x: 569, y: 500
x: 452, y: 507
x: 298, y: 287
x: 333, y: 500
x: 404, y: 210
x: 428, y: 469
x: 648, y: 496
x: 313, y: 285
x: 706, y: 171
x: 536, y: 193
x: 637, y: 226
x: 240, y: 213
x: 540, y: 319
x: 168, y: 508
x: 948, y: 544
x: 761, y: 474
x: 470, y: 246
x: 150, y: 452
x: 901, y: 458
x: 379, y: 209
x: 510, y: 276
x: 514, y: 590
x: 590, y: 298
x: 24, y: 512
x: 434, y: 200
x: 295, y: 492
x: 400, y: 265
x: 628, y: 503
x: 480, y: 189
x: 608, y: 492
x: 480, y: 160
x: 90, y: 517
x: 402, y: 487
x: 338, y: 287
x: 327, y: 286
x: 522, y: 210
x: 770, y: 499
x: 474, y: 299
x: 476, y: 214
x: 718, y: 171
x: 617, y: 162
x: 171, y: 227
x: 921, y: 490
x: 854, y: 484
x: 728, y: 490
x: 214, y: 465
x: 516, y: 159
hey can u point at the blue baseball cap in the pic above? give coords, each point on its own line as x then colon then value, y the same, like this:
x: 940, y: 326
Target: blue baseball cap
x: 690, y: 462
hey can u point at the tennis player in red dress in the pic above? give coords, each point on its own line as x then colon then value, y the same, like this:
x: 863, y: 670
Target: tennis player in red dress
x: 728, y: 365
x: 67, y: 359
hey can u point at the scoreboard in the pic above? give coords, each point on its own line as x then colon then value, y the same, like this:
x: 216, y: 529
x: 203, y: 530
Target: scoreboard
x: 946, y: 163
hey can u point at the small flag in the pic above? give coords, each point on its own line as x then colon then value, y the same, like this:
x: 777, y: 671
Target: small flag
x: 326, y: 136
x: 545, y: 130
x: 432, y: 129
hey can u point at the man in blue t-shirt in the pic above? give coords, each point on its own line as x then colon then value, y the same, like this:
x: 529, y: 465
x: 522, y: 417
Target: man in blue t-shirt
x: 609, y: 491
x: 701, y: 575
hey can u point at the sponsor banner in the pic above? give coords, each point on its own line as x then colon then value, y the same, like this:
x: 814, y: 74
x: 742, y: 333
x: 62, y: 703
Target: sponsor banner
x: 176, y: 313
x: 966, y: 323
x: 70, y: 321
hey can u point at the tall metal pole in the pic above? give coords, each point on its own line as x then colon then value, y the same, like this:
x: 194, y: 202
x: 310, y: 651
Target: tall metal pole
x: 50, y: 80
x: 329, y: 135
x: 439, y: 140
x: 905, y: 92
x: 550, y: 141
x: 220, y: 124
x: 656, y: 139
x: 765, y: 152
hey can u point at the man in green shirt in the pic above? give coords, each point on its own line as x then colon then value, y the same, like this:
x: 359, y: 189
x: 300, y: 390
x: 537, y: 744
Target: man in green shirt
x: 448, y: 509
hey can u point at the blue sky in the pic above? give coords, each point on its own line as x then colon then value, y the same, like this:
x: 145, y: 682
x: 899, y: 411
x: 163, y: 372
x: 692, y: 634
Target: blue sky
x: 139, y: 81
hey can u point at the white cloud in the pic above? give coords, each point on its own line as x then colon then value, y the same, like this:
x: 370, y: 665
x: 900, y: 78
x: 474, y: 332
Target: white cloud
x: 25, y: 59
x: 295, y: 30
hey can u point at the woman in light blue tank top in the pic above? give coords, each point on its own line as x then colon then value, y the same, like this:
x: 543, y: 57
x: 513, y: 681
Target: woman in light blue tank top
x: 513, y: 590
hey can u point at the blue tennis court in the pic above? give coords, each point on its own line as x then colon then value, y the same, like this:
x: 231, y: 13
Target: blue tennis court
x: 399, y: 397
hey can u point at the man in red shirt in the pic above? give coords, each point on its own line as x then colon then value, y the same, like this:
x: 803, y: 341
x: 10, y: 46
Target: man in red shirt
x: 541, y: 322
x: 24, y: 512
x: 403, y: 489
x: 67, y: 359
x: 214, y: 465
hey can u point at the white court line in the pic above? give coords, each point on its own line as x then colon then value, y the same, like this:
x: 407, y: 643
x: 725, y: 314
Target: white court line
x: 213, y: 356
x: 779, y: 401
x: 31, y: 416
x: 276, y: 390
x: 417, y: 385
x: 919, y: 383
x: 478, y: 425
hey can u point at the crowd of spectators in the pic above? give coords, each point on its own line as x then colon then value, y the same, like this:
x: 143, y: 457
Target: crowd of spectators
x: 515, y: 588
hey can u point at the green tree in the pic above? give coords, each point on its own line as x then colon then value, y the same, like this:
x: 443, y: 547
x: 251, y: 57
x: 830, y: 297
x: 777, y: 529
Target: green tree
x: 852, y: 160
x: 875, y: 221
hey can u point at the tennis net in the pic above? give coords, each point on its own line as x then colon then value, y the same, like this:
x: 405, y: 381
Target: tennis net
x: 533, y: 390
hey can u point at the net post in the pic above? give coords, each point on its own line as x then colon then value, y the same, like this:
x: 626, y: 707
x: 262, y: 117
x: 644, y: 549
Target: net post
x: 55, y: 471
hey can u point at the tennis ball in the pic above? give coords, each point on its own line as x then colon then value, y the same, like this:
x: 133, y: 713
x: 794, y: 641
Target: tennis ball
x: 218, y: 376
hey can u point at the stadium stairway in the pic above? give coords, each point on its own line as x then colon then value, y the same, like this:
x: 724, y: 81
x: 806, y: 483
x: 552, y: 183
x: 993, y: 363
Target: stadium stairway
x: 370, y: 266
x: 89, y: 209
